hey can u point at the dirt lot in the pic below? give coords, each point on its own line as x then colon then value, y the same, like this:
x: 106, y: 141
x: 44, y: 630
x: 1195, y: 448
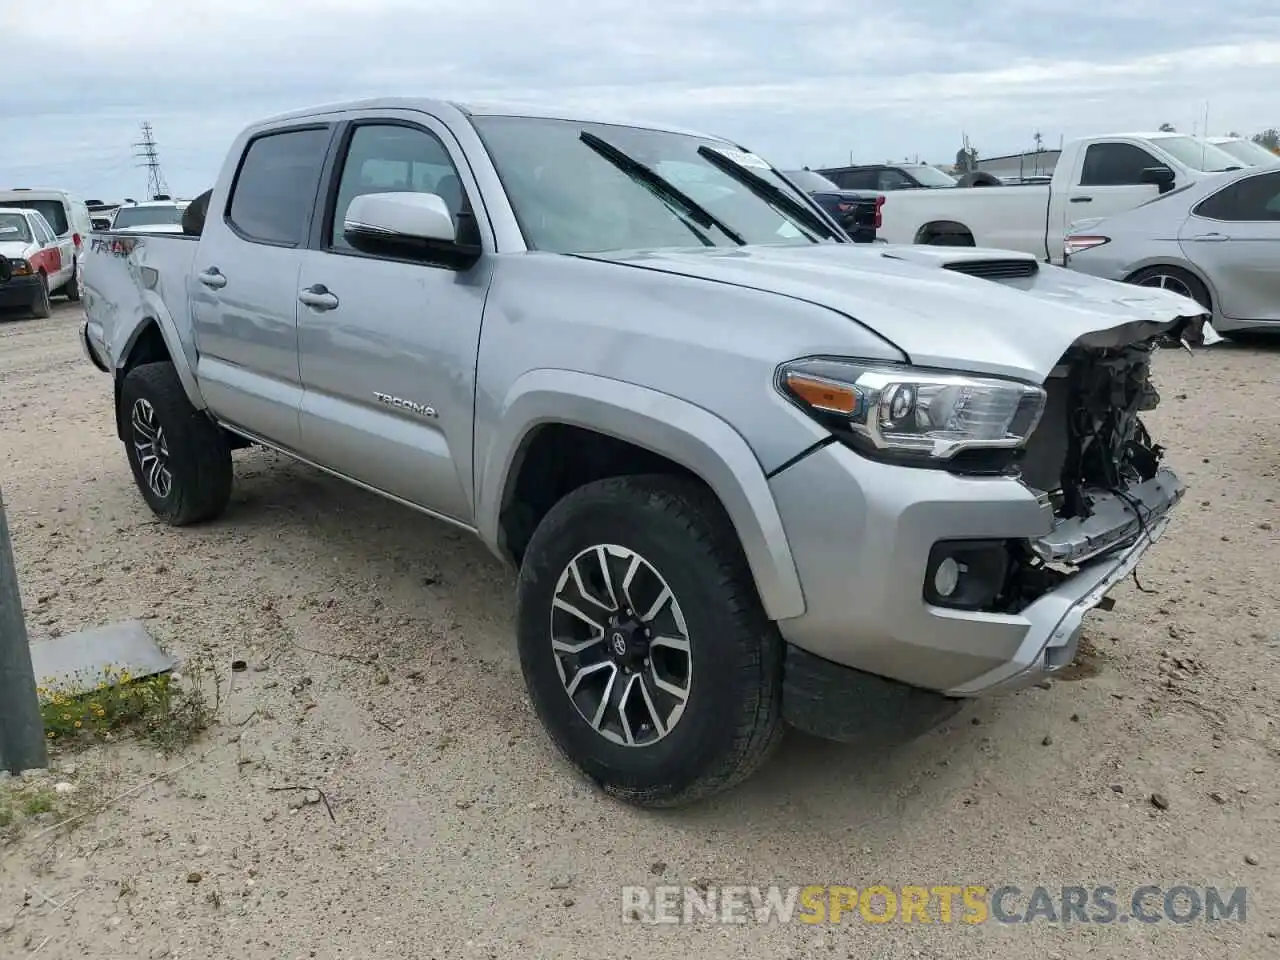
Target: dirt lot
x: 457, y: 832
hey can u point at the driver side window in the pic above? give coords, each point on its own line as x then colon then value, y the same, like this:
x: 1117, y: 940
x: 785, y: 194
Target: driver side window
x: 389, y: 158
x: 1115, y: 165
x: 43, y: 234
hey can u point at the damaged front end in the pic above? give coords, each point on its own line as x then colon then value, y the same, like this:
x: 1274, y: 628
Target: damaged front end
x: 1094, y: 465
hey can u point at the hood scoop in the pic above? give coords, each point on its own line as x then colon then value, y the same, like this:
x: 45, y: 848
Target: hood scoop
x: 984, y: 264
x: 995, y: 269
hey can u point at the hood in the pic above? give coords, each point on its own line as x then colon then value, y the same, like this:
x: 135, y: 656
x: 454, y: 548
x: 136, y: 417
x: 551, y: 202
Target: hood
x: 15, y: 249
x: 941, y: 317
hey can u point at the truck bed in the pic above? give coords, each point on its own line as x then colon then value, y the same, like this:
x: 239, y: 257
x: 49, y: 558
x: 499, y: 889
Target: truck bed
x: 1005, y: 218
x: 131, y: 278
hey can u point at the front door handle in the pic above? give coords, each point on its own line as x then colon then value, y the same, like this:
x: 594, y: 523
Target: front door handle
x: 212, y: 278
x: 318, y: 297
x: 1082, y: 199
x: 1210, y: 237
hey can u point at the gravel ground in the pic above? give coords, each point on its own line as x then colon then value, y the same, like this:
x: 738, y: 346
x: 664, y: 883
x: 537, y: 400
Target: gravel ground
x: 382, y: 672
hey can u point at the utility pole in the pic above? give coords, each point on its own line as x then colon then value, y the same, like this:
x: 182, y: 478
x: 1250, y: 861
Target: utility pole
x: 22, y: 745
x: 150, y: 157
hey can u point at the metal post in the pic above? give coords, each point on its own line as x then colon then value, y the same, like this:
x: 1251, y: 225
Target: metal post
x: 22, y: 744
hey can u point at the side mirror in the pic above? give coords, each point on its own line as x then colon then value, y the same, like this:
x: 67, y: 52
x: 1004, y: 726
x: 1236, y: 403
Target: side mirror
x: 414, y: 226
x: 1162, y: 176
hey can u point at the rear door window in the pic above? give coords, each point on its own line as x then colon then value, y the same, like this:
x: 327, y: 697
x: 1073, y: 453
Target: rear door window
x: 1253, y: 199
x: 275, y: 188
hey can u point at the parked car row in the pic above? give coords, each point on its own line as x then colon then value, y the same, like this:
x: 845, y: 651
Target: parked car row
x: 1216, y: 240
x: 42, y: 240
x: 750, y: 472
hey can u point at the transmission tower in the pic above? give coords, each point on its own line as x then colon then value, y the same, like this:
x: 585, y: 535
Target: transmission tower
x: 150, y: 157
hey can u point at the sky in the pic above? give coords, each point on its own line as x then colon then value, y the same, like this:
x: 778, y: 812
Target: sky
x: 802, y: 82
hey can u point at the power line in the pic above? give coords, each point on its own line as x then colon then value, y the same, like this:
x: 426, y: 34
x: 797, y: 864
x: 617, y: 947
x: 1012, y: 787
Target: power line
x: 148, y: 153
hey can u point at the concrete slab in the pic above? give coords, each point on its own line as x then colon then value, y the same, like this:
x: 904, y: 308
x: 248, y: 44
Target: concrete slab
x: 75, y: 663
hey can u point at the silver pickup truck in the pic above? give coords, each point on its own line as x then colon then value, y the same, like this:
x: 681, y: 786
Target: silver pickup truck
x: 749, y: 472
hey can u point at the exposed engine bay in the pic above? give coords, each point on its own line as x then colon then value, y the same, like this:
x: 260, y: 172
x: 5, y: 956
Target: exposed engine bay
x: 1093, y: 461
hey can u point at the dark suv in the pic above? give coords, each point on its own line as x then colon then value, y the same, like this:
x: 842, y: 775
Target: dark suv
x: 857, y: 212
x: 889, y: 176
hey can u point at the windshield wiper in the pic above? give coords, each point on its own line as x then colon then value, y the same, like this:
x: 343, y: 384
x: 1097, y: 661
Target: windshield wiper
x: 659, y: 184
x: 766, y: 191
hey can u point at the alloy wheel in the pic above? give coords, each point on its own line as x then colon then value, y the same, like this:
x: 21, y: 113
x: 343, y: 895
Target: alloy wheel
x: 621, y: 645
x: 1166, y: 281
x: 151, y: 448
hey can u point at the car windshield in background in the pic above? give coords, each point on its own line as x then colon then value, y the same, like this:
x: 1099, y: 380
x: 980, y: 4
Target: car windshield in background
x: 52, y: 210
x: 576, y: 194
x: 13, y: 227
x: 1246, y: 151
x: 1198, y: 154
x: 813, y: 182
x: 127, y: 217
x: 930, y: 176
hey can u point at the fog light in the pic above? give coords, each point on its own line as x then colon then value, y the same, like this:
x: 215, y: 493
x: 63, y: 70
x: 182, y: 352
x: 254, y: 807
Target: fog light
x: 947, y: 577
x: 966, y: 574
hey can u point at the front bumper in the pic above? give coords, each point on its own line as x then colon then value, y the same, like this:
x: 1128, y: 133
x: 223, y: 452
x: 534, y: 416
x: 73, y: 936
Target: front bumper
x: 19, y: 291
x: 861, y: 532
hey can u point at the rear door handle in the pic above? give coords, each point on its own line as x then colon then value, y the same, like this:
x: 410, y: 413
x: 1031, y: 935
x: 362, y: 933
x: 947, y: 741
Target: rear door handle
x: 1210, y: 237
x: 318, y: 297
x: 212, y: 278
x: 1082, y: 199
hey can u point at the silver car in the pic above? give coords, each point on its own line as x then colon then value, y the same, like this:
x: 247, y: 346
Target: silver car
x: 1217, y: 241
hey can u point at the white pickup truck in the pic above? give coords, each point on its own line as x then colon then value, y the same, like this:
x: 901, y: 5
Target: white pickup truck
x: 1094, y: 177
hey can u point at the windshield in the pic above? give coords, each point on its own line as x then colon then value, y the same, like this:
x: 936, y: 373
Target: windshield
x: 127, y: 217
x: 1246, y: 151
x: 52, y: 210
x: 928, y: 176
x: 1197, y: 154
x: 13, y: 226
x: 572, y: 198
x: 813, y: 182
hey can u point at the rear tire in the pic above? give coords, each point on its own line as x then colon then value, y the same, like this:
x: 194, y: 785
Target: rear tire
x: 72, y: 289
x: 179, y: 457
x: 669, y: 532
x: 1173, y: 278
x: 41, y: 308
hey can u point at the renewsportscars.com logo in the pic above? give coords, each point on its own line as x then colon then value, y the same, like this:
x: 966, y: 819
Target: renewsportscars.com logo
x: 935, y: 904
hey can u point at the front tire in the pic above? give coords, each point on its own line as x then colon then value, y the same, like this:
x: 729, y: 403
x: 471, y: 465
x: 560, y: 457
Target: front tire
x: 644, y: 646
x: 179, y: 457
x: 41, y: 308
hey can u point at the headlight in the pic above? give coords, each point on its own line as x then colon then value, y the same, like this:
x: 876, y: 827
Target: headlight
x: 20, y: 268
x: 909, y: 413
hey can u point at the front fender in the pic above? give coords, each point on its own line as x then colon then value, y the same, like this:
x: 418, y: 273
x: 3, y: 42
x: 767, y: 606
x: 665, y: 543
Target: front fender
x: 666, y: 425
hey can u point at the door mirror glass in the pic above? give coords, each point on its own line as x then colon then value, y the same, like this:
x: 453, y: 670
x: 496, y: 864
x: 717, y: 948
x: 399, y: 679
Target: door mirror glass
x: 1162, y: 176
x: 402, y: 224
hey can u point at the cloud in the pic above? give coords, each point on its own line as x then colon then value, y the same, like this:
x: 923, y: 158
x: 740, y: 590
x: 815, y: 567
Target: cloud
x: 801, y: 81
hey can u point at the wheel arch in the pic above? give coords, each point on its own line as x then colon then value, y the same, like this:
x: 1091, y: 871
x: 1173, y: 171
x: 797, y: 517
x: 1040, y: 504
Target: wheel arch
x: 150, y: 340
x: 656, y: 425
x: 1177, y: 263
x: 944, y: 228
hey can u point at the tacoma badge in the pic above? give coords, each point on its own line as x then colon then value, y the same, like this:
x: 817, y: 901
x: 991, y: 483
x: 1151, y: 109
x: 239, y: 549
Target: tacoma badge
x: 420, y: 409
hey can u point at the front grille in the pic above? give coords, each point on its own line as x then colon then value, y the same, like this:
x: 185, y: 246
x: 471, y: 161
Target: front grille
x: 995, y: 269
